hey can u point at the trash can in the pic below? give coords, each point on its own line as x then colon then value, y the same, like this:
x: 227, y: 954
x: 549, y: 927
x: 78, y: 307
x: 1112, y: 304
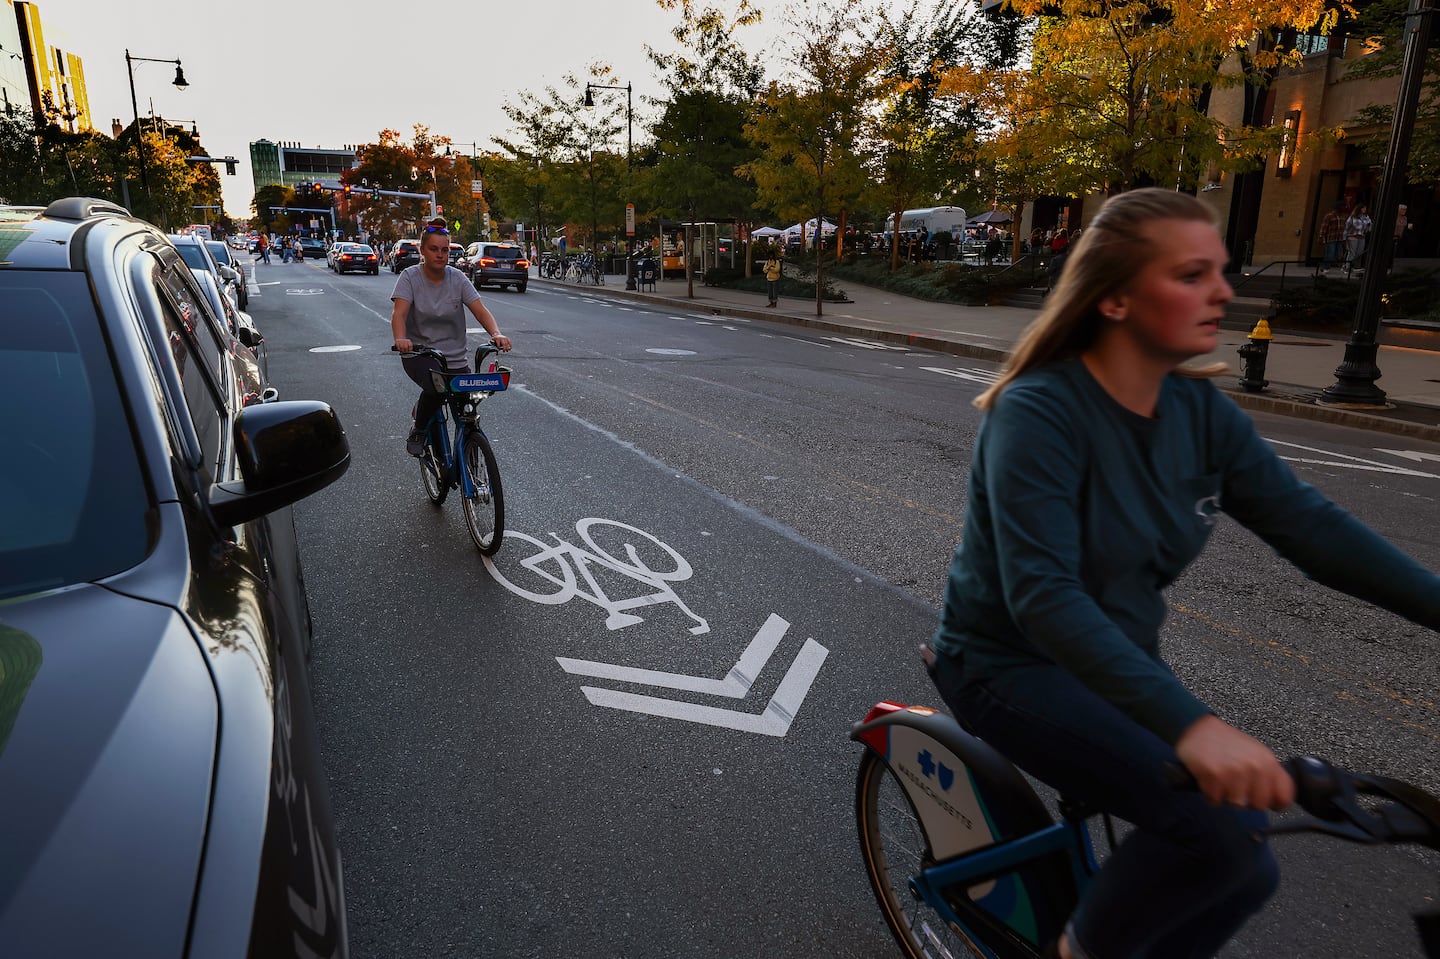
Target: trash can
x: 647, y: 271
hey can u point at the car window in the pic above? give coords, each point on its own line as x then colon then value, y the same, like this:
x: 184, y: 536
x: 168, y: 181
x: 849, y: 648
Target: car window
x: 194, y: 257
x: 74, y: 506
x: 503, y: 252
x: 199, y: 358
x: 220, y: 252
x: 360, y: 248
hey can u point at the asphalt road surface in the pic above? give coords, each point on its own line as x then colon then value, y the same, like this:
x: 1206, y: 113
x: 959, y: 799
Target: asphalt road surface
x: 627, y: 736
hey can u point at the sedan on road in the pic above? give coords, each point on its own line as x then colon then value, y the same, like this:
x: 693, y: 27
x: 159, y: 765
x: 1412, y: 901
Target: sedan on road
x: 311, y: 248
x: 356, y: 258
x: 163, y: 792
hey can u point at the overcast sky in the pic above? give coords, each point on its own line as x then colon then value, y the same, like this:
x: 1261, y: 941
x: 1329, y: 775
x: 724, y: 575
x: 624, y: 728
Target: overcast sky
x: 327, y: 73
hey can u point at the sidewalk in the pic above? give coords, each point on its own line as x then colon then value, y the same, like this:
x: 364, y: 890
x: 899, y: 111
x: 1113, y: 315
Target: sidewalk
x: 1300, y: 364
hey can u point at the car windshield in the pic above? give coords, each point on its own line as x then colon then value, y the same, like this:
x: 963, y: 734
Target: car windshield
x: 74, y: 506
x: 358, y: 248
x: 503, y: 252
x: 194, y: 257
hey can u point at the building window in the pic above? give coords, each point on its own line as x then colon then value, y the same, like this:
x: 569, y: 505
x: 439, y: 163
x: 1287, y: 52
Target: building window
x: 1288, y: 136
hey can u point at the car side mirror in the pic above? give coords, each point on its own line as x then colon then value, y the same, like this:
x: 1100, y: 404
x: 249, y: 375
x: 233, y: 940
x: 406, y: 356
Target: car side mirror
x: 285, y: 451
x: 228, y: 273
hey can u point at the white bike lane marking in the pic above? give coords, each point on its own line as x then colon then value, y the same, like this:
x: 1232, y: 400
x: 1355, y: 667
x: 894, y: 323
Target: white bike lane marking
x: 563, y: 565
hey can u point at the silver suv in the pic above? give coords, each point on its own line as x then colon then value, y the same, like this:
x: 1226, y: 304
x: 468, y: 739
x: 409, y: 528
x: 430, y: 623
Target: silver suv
x: 503, y: 264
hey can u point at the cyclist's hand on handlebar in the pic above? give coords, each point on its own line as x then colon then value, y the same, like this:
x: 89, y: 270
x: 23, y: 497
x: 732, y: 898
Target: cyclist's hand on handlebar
x: 1232, y: 768
x: 502, y: 341
x: 404, y: 345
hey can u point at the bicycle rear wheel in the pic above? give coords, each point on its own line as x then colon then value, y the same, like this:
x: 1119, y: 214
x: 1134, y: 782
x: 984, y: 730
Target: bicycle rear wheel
x: 485, y: 508
x: 894, y: 846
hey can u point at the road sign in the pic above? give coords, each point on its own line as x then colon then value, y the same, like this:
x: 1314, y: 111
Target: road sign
x: 477, y: 188
x: 629, y: 219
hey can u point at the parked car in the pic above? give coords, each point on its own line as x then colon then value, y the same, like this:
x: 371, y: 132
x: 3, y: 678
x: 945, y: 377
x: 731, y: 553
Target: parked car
x: 502, y: 264
x: 222, y: 255
x: 457, y: 252
x: 357, y: 258
x: 195, y: 251
x: 238, y: 322
x: 311, y: 248
x: 159, y: 761
x: 406, y: 253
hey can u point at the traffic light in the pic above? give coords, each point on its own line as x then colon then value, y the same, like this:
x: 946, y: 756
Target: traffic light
x: 374, y: 193
x: 230, y: 166
x: 347, y: 191
x: 439, y: 208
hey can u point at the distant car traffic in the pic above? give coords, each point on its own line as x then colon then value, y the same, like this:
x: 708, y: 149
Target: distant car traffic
x: 502, y: 264
x: 163, y: 790
x: 406, y: 253
x: 334, y: 251
x: 356, y: 258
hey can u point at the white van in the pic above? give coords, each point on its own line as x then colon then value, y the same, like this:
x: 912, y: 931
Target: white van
x: 934, y: 218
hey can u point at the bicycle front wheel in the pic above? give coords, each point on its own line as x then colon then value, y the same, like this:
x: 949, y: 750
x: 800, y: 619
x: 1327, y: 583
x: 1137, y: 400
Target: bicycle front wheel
x: 485, y: 507
x: 894, y: 846
x: 433, y: 475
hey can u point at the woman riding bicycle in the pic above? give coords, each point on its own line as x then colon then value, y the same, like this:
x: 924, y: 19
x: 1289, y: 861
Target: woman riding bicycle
x: 430, y: 300
x: 1096, y: 477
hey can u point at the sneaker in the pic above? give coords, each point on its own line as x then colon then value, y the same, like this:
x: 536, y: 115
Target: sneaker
x: 415, y: 442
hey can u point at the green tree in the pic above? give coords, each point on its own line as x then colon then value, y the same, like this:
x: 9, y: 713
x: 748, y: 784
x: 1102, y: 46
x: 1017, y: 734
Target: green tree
x: 810, y: 128
x: 1118, y: 93
x: 699, y: 139
x: 922, y: 136
x: 1381, y: 24
x: 534, y: 147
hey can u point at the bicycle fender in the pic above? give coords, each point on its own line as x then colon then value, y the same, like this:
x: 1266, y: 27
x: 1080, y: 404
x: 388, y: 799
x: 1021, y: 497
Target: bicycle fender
x: 966, y: 794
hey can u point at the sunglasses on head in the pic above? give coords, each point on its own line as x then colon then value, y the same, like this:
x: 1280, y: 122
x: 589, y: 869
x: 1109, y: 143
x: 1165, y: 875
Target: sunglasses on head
x: 437, y: 229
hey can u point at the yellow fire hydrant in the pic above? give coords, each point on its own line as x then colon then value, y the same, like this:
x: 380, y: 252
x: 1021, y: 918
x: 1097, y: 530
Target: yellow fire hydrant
x: 1253, y: 356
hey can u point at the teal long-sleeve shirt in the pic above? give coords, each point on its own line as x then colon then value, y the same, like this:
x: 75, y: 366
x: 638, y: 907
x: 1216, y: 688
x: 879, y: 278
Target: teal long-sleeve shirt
x: 1081, y: 513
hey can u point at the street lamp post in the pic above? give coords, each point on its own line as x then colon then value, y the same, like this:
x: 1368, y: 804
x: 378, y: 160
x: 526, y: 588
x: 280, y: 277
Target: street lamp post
x: 474, y: 167
x: 1356, y: 375
x: 629, y: 166
x: 180, y: 84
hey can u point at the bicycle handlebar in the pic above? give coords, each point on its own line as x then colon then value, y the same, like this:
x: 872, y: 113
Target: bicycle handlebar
x: 1331, y: 796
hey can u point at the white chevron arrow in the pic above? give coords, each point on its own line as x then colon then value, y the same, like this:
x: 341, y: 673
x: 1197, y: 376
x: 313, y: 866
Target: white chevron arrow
x: 775, y: 720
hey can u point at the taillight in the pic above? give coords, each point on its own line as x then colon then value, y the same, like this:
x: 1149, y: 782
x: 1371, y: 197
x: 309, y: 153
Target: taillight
x: 487, y: 261
x: 523, y: 264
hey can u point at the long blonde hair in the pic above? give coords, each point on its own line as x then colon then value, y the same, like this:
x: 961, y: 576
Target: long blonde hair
x: 1110, y: 251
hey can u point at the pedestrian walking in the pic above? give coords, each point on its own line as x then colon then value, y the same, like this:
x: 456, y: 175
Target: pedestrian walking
x: 263, y: 243
x: 1332, y: 234
x: 1357, y: 232
x: 772, y: 276
x: 1097, y: 474
x: 1403, y: 226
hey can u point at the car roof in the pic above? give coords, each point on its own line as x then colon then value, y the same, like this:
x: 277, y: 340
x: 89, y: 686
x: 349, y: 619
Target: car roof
x: 39, y: 238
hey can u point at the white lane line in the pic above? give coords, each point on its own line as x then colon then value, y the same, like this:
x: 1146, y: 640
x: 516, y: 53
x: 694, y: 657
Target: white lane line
x: 1354, y: 462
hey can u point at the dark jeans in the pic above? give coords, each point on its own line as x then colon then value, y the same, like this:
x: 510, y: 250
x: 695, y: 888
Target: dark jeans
x: 418, y: 369
x: 774, y: 290
x: 1189, y: 874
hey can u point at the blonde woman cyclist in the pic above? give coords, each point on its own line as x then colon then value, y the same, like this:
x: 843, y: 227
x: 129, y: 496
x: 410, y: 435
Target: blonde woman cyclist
x: 1097, y: 475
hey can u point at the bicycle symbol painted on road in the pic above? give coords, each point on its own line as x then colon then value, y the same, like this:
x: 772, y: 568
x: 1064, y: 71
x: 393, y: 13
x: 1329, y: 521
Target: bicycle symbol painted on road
x: 555, y: 572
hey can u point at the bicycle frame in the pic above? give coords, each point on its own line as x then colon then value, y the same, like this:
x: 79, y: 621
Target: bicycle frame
x: 463, y: 395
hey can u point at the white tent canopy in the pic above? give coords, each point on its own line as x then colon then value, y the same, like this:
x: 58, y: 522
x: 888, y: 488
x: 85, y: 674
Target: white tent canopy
x: 767, y: 231
x: 825, y: 225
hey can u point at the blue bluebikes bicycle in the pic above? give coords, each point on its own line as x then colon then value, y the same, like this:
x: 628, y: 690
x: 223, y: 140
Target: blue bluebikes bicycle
x: 965, y: 860
x: 461, y: 458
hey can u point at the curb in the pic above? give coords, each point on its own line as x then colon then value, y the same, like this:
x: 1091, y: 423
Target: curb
x: 1257, y: 402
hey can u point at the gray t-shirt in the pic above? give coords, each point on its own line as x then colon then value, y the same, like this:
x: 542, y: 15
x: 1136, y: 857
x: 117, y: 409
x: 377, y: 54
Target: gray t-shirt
x: 437, y: 310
